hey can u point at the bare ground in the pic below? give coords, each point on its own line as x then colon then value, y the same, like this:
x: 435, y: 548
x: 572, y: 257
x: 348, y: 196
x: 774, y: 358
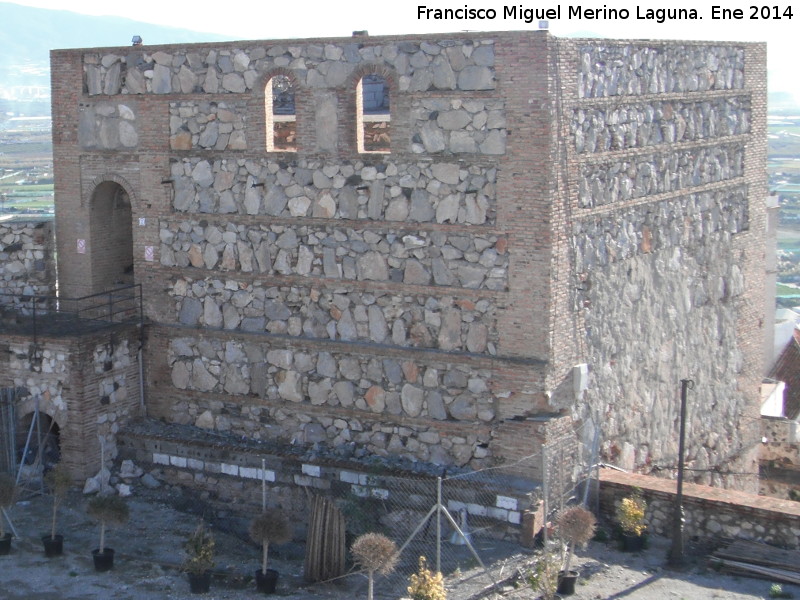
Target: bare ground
x: 149, y: 553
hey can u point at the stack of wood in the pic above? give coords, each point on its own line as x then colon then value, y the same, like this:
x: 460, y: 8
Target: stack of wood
x: 325, y: 549
x: 754, y: 559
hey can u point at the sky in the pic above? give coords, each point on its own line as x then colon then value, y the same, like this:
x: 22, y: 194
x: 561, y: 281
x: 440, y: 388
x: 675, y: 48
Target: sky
x: 339, y: 18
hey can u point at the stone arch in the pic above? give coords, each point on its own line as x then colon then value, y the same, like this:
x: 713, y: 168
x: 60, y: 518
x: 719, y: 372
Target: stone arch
x: 111, y: 233
x: 373, y: 127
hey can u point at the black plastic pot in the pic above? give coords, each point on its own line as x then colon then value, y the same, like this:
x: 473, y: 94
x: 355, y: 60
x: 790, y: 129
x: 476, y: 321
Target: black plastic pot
x: 566, y: 582
x: 53, y: 546
x: 632, y: 543
x: 5, y: 543
x: 200, y: 583
x: 266, y: 582
x: 103, y: 561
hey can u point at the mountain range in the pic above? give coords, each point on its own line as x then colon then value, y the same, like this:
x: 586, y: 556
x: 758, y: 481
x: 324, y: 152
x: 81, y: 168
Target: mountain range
x: 28, y: 34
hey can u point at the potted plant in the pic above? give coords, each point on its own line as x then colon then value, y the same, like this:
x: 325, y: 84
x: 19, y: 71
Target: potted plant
x: 271, y: 526
x: 58, y: 481
x: 630, y: 517
x: 107, y: 510
x: 199, y: 560
x: 576, y: 526
x: 375, y: 553
x: 425, y: 584
x: 8, y: 489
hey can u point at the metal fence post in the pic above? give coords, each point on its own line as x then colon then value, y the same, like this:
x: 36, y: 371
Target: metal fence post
x: 440, y: 506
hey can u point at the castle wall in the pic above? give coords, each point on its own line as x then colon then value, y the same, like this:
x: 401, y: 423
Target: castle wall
x: 544, y: 203
x: 666, y: 155
x: 27, y: 263
x: 89, y: 385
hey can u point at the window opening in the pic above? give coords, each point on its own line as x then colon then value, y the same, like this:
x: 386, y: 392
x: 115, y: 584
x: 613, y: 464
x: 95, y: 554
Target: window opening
x: 374, y: 117
x: 281, y: 115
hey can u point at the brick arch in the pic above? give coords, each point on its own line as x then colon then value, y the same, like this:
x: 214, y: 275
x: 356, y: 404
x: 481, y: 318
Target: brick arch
x: 52, y: 424
x: 388, y: 73
x: 110, y: 233
x: 355, y: 106
x: 274, y: 72
x: 112, y: 178
x: 274, y: 130
x: 46, y: 407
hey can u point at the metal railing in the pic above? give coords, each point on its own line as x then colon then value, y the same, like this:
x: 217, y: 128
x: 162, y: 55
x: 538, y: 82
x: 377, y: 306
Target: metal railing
x: 54, y: 314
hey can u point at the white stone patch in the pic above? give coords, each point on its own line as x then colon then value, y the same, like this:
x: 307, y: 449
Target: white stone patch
x: 197, y: 465
x: 455, y: 506
x: 501, y: 514
x: 478, y: 509
x: 312, y: 470
x: 160, y: 459
x: 177, y: 461
x: 352, y: 477
x: 514, y: 517
x: 229, y: 469
x: 506, y: 502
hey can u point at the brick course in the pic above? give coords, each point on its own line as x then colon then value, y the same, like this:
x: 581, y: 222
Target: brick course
x: 550, y: 315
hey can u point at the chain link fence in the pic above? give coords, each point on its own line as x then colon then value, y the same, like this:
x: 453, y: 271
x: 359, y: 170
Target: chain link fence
x: 463, y: 523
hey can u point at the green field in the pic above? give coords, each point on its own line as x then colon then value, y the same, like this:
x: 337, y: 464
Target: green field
x: 785, y: 290
x: 27, y: 148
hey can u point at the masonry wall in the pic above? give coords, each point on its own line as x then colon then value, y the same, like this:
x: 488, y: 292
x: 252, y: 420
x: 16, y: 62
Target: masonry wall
x: 666, y: 169
x: 27, y: 261
x: 89, y: 385
x: 432, y: 302
x: 712, y: 516
x: 327, y: 295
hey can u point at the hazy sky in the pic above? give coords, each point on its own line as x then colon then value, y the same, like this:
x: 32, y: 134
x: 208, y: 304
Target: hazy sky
x: 271, y: 19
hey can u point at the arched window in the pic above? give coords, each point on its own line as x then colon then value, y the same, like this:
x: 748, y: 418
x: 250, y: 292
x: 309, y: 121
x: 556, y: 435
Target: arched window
x: 374, y: 118
x: 281, y: 118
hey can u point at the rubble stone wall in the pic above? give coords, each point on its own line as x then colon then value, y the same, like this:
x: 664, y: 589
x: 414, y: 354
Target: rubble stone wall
x: 88, y: 385
x: 27, y: 263
x: 713, y: 516
x: 665, y: 235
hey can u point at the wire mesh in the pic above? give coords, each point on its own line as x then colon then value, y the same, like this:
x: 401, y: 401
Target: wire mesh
x: 463, y: 522
x: 8, y: 420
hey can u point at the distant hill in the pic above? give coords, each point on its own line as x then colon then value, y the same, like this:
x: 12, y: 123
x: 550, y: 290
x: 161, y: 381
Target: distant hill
x: 28, y: 34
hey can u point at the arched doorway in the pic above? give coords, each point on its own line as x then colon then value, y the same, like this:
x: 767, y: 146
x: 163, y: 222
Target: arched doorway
x: 38, y: 444
x: 112, y: 237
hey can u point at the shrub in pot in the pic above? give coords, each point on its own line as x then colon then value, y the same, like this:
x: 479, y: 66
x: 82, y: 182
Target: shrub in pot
x: 425, y: 584
x: 106, y: 510
x: 543, y: 577
x: 58, y: 481
x: 199, y: 561
x: 576, y: 526
x: 8, y: 490
x: 271, y: 526
x: 375, y: 553
x: 630, y: 517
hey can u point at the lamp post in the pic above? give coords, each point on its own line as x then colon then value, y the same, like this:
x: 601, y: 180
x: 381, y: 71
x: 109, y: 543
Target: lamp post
x: 676, y: 551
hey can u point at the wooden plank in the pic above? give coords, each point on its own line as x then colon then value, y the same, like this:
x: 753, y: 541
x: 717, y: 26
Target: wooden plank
x: 763, y: 572
x: 761, y: 554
